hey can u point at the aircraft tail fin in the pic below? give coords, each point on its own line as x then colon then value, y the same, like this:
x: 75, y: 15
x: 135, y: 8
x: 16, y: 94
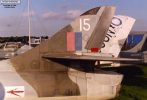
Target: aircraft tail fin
x: 72, y: 38
x: 96, y: 39
x: 117, y: 34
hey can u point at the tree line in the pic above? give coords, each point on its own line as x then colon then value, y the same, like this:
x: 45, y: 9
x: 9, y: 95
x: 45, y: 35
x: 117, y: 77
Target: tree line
x: 22, y: 39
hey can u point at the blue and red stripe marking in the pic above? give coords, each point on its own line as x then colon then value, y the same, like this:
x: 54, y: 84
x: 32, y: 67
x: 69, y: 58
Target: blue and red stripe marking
x: 74, y: 42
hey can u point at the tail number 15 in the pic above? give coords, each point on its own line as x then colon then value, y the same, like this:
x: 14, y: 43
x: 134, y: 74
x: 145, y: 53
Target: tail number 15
x: 84, y: 24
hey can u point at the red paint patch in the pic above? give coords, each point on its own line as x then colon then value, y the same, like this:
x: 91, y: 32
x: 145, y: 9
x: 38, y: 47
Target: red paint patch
x: 94, y: 49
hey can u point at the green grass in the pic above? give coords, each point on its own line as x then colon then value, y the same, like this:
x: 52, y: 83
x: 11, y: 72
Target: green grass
x: 134, y: 85
x: 132, y: 93
x: 145, y: 71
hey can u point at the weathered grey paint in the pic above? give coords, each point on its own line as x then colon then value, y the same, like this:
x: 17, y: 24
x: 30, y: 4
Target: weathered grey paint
x: 101, y: 28
x: 53, y: 78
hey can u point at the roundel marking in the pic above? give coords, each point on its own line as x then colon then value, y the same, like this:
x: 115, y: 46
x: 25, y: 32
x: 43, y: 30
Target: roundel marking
x: 116, y: 21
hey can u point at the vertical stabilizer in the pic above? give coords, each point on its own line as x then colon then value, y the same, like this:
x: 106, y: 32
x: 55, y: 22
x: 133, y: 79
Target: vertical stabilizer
x: 117, y: 34
x: 96, y: 39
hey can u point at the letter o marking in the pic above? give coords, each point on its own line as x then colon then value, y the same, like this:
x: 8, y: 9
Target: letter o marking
x: 116, y: 21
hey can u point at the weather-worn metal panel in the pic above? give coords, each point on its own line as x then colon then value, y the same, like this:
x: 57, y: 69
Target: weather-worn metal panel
x: 117, y: 34
x: 50, y: 78
x: 101, y: 28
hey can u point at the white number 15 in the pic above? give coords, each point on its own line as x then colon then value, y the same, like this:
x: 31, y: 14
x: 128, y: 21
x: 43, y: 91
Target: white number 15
x: 84, y: 24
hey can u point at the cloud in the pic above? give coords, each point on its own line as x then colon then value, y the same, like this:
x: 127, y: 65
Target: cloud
x: 26, y: 14
x: 72, y: 14
x: 48, y: 15
x: 68, y: 15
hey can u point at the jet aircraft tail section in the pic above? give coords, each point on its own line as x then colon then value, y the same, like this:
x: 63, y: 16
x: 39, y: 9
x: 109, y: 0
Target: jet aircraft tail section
x: 72, y: 38
x: 117, y: 34
x: 96, y: 39
x: 89, y: 30
x: 47, y: 77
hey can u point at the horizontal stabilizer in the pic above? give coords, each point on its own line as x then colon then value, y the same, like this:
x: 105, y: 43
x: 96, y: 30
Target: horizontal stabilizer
x: 89, y: 58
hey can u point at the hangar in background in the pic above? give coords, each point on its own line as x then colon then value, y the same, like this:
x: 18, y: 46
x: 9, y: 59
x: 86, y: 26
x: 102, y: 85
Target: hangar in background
x: 134, y: 39
x: 135, y: 45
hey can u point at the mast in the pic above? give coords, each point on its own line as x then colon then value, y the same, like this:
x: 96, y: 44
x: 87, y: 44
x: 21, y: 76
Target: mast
x: 29, y: 23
